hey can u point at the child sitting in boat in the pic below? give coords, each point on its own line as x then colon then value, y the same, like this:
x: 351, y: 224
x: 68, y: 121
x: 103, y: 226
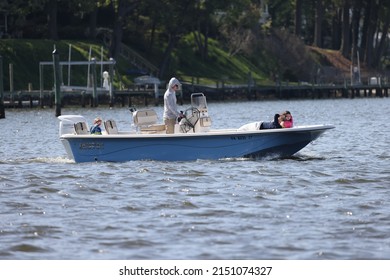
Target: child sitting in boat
x: 286, y: 120
x: 283, y: 120
x: 95, y: 129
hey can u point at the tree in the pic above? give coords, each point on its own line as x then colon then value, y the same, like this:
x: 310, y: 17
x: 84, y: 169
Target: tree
x: 335, y: 14
x: 345, y: 30
x: 369, y: 53
x: 351, y: 26
x: 88, y: 8
x: 319, y: 11
x: 239, y: 25
x: 298, y: 17
x: 384, y: 31
x: 52, y: 8
x: 203, y: 20
x: 175, y: 18
x: 282, y: 14
x: 122, y: 9
x: 355, y: 29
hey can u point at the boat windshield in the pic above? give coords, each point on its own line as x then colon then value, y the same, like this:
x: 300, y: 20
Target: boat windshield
x: 198, y: 100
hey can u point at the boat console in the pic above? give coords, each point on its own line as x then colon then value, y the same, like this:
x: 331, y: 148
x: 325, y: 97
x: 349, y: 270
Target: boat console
x: 196, y: 118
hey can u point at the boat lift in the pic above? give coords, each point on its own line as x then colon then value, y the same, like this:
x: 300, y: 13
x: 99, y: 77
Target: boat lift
x: 106, y: 84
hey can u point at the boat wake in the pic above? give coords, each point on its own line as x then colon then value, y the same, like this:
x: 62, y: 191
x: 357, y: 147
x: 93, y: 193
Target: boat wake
x: 52, y: 160
x: 303, y: 157
x: 37, y: 160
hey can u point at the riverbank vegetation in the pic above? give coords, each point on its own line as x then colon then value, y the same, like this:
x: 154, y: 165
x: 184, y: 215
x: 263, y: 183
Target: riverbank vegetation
x: 229, y: 41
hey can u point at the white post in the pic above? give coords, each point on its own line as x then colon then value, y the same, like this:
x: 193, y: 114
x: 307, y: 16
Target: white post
x: 89, y: 66
x: 358, y: 61
x: 69, y: 60
x: 101, y: 65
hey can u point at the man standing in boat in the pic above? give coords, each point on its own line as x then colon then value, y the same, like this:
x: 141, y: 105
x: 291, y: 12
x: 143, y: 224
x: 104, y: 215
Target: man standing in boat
x: 170, y: 107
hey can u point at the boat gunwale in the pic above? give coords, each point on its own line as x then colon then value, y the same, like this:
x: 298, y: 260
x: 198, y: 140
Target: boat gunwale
x: 215, y: 132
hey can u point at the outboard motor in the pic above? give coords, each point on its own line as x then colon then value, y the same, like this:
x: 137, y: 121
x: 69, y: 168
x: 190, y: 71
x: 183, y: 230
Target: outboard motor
x: 67, y: 123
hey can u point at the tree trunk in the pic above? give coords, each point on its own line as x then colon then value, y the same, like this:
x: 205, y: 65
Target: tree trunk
x: 369, y: 54
x: 318, y: 24
x: 298, y: 18
x: 124, y: 8
x: 355, y: 30
x: 382, y: 44
x: 92, y: 24
x: 167, y: 55
x: 116, y: 41
x: 336, y: 28
x: 201, y: 43
x: 345, y: 31
x: 152, y: 35
x: 206, y: 43
x: 52, y: 19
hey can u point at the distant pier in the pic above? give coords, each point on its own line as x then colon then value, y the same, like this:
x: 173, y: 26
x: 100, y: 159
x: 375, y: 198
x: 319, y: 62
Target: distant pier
x: 80, y: 97
x: 139, y: 95
x: 284, y: 92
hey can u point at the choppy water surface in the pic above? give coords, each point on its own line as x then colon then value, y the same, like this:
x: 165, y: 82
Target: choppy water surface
x: 330, y: 201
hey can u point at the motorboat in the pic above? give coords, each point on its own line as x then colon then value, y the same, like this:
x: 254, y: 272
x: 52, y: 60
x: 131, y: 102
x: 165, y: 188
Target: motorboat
x: 194, y: 138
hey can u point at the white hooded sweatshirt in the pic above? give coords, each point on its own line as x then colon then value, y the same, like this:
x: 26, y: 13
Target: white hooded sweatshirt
x: 170, y: 106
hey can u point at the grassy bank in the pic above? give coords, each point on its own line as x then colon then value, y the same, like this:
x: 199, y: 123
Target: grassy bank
x: 25, y: 56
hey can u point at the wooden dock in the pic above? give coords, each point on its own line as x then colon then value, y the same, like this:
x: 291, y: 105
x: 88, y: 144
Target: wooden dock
x: 145, y: 96
x: 77, y: 97
x: 304, y: 91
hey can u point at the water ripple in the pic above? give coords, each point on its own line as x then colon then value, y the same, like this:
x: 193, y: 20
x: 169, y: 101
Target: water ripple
x: 329, y: 201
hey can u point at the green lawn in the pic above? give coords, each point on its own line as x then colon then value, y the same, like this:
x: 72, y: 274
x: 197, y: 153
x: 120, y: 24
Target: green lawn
x: 25, y: 56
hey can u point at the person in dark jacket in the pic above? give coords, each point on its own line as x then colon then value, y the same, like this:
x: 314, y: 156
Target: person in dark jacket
x: 273, y: 124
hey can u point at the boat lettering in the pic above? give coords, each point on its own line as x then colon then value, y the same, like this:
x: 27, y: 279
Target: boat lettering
x: 241, y: 137
x: 91, y: 146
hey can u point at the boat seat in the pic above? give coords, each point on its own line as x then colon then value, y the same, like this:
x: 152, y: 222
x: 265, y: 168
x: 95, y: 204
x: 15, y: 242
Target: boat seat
x: 153, y: 128
x: 146, y: 121
x: 81, y: 128
x: 110, y: 127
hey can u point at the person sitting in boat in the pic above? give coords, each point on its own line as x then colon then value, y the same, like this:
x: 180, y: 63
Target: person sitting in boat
x: 283, y: 120
x: 274, y: 124
x: 170, y: 107
x: 286, y: 120
x: 95, y: 129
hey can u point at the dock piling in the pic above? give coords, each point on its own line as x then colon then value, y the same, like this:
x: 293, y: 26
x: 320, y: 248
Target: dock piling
x: 94, y: 83
x: 111, y: 79
x: 57, y: 82
x: 2, y: 110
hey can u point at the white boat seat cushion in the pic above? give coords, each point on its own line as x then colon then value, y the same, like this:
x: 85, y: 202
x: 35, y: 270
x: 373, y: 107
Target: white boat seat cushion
x: 145, y: 117
x: 110, y: 127
x: 146, y: 121
x: 81, y: 128
x: 154, y: 128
